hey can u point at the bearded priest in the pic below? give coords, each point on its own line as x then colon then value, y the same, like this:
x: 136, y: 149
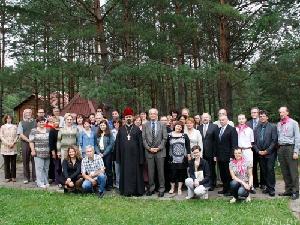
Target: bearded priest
x: 130, y: 156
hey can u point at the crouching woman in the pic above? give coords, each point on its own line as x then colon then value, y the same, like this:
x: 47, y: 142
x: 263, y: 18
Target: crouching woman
x: 72, y: 169
x: 242, y: 179
x: 199, y: 181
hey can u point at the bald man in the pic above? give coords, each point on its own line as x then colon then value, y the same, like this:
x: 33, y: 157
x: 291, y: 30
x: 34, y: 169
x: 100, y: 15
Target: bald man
x: 223, y: 112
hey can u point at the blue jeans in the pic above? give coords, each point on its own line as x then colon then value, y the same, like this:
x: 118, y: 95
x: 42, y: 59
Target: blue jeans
x: 237, y: 190
x: 101, y: 181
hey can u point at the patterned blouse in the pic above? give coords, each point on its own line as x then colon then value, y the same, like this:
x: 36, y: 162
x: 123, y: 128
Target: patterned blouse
x: 41, y: 142
x: 8, y: 136
x: 240, y: 169
x: 179, y: 148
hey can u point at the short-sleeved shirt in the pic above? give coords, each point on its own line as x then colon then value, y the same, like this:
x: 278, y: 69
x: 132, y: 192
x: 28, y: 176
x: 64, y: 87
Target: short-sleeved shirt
x: 244, y: 176
x: 41, y: 143
x: 88, y: 166
x: 245, y: 137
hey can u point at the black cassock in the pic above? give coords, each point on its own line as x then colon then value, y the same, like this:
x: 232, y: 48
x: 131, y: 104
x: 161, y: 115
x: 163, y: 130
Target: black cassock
x: 130, y: 156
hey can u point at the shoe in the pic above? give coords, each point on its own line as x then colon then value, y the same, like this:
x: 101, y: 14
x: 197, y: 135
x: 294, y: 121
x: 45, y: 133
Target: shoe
x: 7, y: 180
x: 14, y: 180
x: 295, y: 196
x: 265, y: 191
x: 188, y: 197
x: 100, y: 194
x: 59, y: 186
x: 171, y: 191
x: 47, y: 185
x: 211, y: 189
x: 149, y: 193
x: 262, y: 187
x: 179, y: 192
x: 227, y: 194
x: 272, y: 193
x: 233, y: 200
x: 108, y: 188
x: 248, y: 199
x: 205, y: 196
x: 43, y: 186
x: 285, y: 194
x: 25, y: 182
x: 253, y: 191
x: 161, y: 194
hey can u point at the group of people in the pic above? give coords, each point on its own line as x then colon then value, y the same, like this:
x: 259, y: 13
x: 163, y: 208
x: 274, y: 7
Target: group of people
x: 141, y: 154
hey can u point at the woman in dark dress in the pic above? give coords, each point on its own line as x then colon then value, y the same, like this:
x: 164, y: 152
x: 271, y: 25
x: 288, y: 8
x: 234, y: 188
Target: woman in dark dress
x: 178, y: 145
x: 72, y: 168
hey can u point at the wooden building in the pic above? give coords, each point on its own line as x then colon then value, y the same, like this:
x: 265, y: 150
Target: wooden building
x: 29, y: 103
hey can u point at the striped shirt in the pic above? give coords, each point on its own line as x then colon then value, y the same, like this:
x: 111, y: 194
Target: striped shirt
x: 41, y: 142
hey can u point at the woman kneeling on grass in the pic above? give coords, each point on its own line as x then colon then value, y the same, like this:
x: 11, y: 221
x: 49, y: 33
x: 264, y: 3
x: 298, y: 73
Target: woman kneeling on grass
x: 242, y: 179
x: 199, y: 181
x: 72, y: 169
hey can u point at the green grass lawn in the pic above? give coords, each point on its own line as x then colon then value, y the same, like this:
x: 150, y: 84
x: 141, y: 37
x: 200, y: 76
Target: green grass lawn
x: 40, y: 207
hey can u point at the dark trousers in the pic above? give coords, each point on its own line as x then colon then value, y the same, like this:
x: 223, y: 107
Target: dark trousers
x: 237, y: 190
x: 108, y: 169
x: 26, y: 156
x: 224, y: 174
x: 289, y: 168
x: 10, y: 166
x: 268, y: 172
x: 212, y: 170
x: 57, y: 171
x: 256, y: 181
x: 156, y: 163
x: 51, y: 173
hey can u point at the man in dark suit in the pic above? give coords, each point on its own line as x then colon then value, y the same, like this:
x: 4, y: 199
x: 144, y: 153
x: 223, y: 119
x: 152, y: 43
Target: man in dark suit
x: 226, y: 142
x: 154, y: 140
x: 208, y: 131
x: 253, y: 123
x: 265, y: 140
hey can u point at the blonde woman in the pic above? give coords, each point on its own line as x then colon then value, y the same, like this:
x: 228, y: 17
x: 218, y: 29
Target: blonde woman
x: 66, y: 136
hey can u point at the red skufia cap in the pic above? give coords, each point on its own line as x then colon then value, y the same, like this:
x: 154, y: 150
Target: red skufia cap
x: 128, y: 112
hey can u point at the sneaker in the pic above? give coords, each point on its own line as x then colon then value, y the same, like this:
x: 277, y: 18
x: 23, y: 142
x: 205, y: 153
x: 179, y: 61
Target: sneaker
x: 47, y: 185
x: 25, y: 181
x: 248, y: 199
x: 59, y: 186
x: 233, y: 200
x: 14, y: 180
x: 188, y: 197
x: 205, y: 196
x: 43, y: 186
x: 100, y: 194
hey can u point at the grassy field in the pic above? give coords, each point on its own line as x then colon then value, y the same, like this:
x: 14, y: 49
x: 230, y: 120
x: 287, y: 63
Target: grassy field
x: 39, y: 207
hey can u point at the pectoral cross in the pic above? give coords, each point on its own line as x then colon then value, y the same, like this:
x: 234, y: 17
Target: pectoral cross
x: 128, y: 137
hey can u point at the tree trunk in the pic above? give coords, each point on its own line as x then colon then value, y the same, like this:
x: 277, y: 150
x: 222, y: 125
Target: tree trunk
x: 224, y: 83
x: 180, y: 60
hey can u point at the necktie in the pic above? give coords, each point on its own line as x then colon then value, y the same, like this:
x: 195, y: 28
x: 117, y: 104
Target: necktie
x: 254, y: 124
x: 153, y: 133
x: 221, y: 132
x: 262, y: 134
x: 204, y: 130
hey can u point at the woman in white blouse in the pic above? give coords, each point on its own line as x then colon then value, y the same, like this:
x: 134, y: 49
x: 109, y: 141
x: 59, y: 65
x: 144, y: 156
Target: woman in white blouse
x: 193, y: 134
